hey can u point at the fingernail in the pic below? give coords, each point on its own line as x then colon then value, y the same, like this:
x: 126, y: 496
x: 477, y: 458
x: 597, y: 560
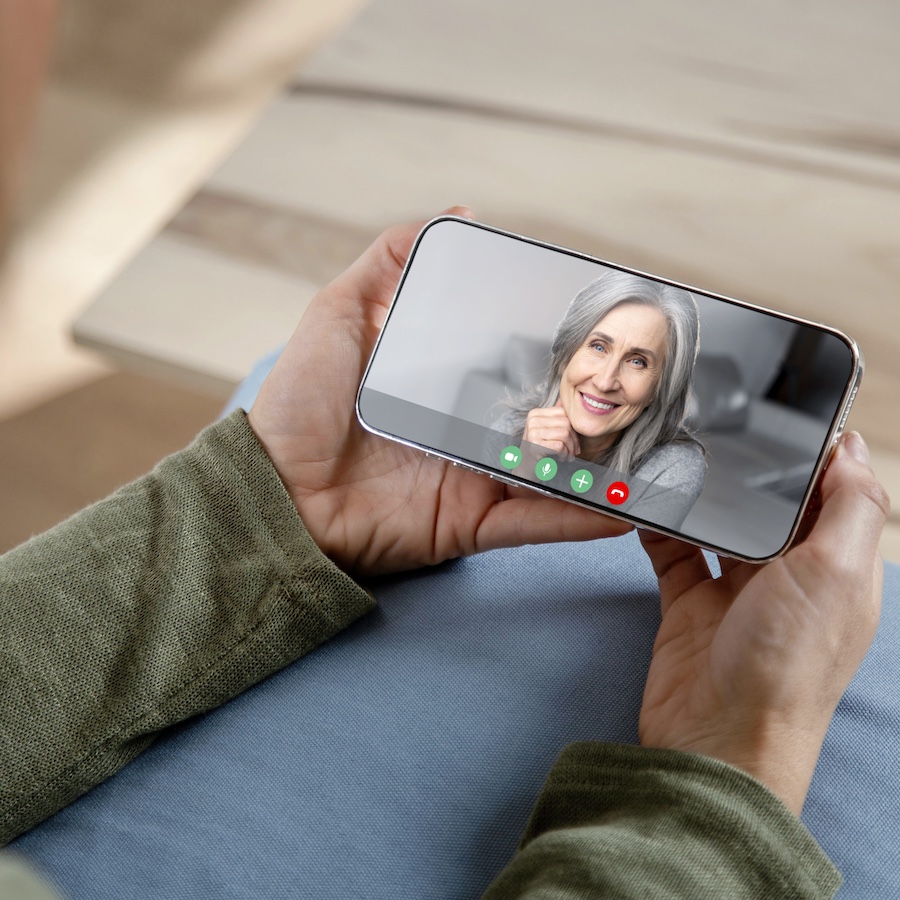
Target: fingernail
x: 857, y: 448
x: 462, y: 211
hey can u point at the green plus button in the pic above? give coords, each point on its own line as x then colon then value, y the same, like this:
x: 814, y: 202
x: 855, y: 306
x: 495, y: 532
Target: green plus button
x: 582, y: 481
x: 510, y: 457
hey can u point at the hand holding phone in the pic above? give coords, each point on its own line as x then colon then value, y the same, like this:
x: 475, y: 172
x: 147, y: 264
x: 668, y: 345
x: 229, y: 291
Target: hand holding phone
x: 376, y: 506
x: 749, y: 667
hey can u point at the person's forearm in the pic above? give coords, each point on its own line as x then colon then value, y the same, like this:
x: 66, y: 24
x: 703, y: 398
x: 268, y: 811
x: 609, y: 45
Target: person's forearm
x: 163, y: 601
x: 622, y: 821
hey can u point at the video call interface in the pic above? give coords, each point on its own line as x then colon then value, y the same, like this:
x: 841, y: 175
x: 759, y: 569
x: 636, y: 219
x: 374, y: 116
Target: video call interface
x: 677, y: 409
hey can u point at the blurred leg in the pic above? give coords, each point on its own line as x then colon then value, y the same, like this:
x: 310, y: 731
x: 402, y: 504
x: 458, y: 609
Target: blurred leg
x: 26, y: 33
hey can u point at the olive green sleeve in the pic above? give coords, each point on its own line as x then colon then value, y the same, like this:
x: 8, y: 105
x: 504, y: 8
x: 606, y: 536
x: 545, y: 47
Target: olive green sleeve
x: 173, y: 595
x: 630, y: 822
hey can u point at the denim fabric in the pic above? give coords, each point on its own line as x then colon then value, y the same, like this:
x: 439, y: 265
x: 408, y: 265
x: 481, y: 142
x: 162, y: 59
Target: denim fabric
x: 401, y: 759
x: 245, y: 393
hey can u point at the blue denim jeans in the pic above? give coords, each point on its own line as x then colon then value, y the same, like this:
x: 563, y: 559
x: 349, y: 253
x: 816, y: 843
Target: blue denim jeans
x: 402, y: 758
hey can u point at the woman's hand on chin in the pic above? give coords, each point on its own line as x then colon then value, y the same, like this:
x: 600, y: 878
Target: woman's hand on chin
x: 549, y: 426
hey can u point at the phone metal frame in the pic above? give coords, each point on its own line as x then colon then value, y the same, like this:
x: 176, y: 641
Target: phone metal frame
x: 834, y: 432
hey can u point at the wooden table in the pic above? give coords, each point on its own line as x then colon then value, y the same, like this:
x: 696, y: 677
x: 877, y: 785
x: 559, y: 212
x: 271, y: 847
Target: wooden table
x: 753, y: 152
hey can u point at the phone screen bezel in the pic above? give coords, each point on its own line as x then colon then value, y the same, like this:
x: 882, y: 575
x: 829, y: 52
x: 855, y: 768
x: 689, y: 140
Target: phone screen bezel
x: 832, y: 435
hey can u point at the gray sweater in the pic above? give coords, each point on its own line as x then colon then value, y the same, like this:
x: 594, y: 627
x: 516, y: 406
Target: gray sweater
x: 666, y: 485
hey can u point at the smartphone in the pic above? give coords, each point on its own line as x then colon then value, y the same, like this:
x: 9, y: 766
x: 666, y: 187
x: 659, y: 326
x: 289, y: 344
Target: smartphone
x: 699, y: 416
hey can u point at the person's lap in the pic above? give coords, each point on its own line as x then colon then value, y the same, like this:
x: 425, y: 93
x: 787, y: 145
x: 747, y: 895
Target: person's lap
x: 401, y: 759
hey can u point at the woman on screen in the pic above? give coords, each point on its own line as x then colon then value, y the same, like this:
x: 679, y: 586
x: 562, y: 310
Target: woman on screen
x: 616, y: 391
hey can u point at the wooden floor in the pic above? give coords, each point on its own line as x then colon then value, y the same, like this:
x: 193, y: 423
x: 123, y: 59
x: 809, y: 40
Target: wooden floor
x: 80, y: 446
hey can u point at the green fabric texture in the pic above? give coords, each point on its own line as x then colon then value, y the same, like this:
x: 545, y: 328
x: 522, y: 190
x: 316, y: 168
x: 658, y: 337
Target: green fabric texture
x: 175, y: 594
x: 632, y: 822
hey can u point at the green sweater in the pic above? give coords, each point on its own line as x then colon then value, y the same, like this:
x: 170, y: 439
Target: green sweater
x: 197, y: 581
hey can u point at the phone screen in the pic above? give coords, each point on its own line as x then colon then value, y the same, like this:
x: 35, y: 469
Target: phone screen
x: 694, y: 414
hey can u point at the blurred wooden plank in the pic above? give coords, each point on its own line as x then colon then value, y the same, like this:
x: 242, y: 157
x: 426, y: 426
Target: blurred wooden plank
x: 685, y: 141
x: 193, y: 316
x: 805, y: 85
x: 81, y: 445
x: 814, y: 246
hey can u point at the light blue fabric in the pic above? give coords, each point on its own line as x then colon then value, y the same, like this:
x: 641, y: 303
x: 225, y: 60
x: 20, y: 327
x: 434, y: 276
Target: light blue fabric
x: 245, y: 393
x: 401, y: 759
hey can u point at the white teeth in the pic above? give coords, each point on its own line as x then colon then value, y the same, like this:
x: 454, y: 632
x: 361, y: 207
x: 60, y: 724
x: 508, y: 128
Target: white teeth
x: 597, y: 404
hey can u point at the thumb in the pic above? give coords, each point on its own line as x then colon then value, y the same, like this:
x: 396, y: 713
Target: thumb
x: 854, y: 506
x: 375, y: 274
x: 541, y: 520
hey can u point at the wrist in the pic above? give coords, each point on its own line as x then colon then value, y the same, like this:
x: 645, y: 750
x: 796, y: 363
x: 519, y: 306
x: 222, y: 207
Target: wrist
x: 781, y: 758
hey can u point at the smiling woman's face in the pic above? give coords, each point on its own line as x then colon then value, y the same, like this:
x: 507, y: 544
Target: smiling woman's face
x: 613, y: 375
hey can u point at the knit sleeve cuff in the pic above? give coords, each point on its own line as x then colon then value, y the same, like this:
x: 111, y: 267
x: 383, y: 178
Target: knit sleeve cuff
x: 247, y: 472
x: 693, y: 813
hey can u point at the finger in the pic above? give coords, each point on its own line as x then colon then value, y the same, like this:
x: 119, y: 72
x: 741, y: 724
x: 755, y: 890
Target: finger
x: 550, y: 432
x: 549, y: 416
x: 375, y: 274
x: 557, y: 443
x: 553, y: 446
x: 854, y: 508
x: 572, y: 440
x: 555, y: 418
x: 678, y: 566
x: 542, y: 520
x: 569, y: 442
x: 727, y: 565
x: 737, y: 572
x: 576, y: 444
x: 539, y: 434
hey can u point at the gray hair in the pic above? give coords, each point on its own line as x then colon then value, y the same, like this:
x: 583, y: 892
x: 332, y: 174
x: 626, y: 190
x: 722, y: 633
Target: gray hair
x: 664, y: 420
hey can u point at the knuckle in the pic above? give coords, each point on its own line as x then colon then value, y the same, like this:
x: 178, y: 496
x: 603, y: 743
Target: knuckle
x: 391, y: 246
x: 864, y: 499
x: 814, y: 557
x: 876, y: 494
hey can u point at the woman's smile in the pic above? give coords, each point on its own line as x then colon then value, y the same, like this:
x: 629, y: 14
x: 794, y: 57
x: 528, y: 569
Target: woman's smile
x: 612, y: 378
x: 596, y: 406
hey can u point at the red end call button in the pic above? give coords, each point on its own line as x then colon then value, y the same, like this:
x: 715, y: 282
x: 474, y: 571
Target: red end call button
x: 617, y: 493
